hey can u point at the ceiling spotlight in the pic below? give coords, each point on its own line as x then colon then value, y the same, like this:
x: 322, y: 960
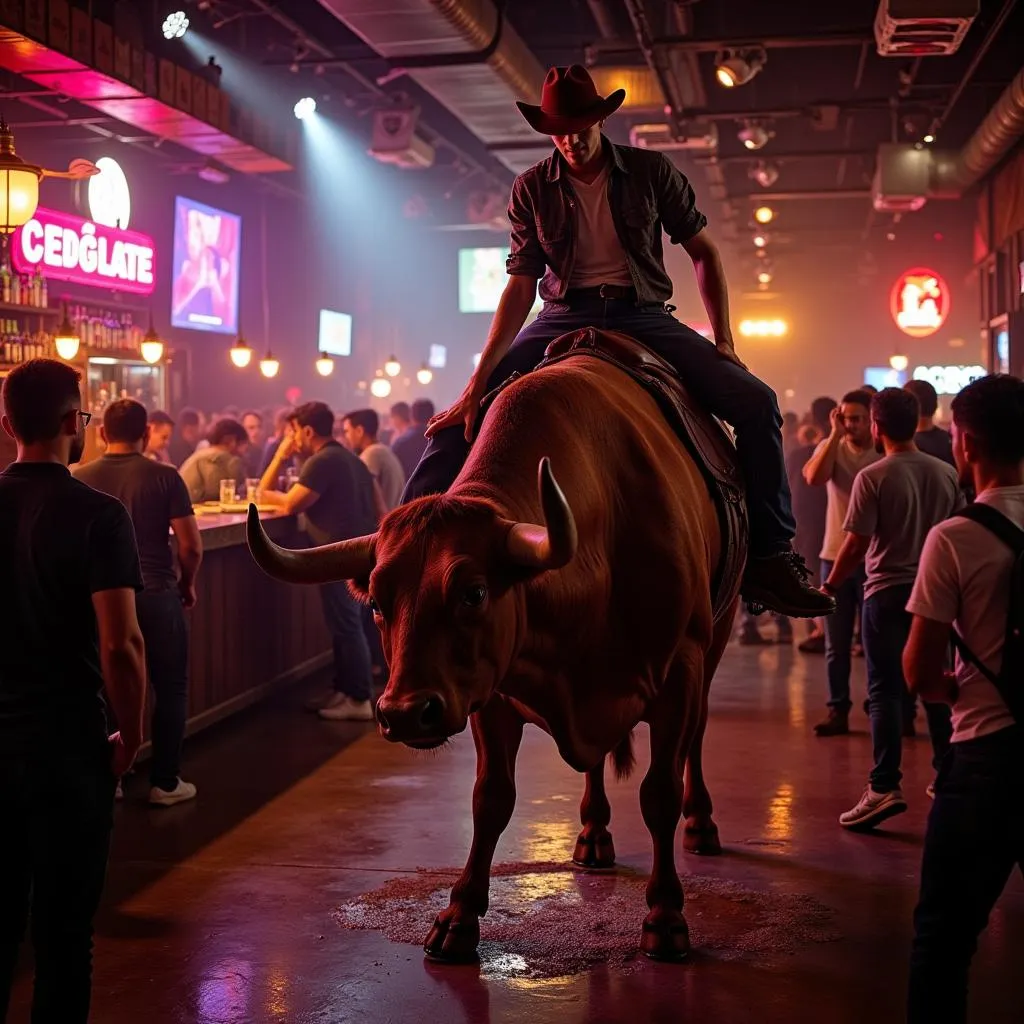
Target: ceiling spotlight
x: 737, y: 67
x: 175, y: 25
x: 760, y: 239
x: 765, y: 174
x: 764, y: 277
x: 305, y: 108
x: 754, y: 135
x: 764, y: 215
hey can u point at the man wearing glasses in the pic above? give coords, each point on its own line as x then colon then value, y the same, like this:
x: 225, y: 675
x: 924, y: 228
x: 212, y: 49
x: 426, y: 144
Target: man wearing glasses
x: 68, y: 629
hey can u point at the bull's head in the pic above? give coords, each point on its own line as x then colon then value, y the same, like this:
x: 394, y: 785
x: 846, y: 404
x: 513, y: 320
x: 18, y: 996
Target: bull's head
x: 444, y: 578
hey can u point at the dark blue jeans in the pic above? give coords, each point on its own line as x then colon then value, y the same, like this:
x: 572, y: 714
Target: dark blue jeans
x: 165, y: 630
x: 839, y: 635
x: 975, y: 837
x: 353, y: 674
x: 57, y: 813
x: 722, y: 387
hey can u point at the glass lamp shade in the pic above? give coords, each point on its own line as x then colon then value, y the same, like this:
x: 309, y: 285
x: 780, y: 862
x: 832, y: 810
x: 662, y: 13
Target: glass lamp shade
x: 269, y: 365
x: 67, y: 346
x: 152, y: 350
x: 19, y: 195
x: 325, y: 365
x: 424, y: 374
x: 392, y: 367
x: 899, y: 363
x: 241, y: 354
x: 380, y: 387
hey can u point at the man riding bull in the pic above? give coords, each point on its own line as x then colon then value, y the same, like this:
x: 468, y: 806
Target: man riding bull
x: 588, y: 222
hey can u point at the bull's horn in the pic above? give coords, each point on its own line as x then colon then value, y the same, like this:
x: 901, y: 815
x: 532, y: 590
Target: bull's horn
x: 550, y: 546
x: 346, y: 560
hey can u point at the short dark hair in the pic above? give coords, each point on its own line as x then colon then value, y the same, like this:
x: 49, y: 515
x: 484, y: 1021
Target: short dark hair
x: 422, y: 410
x: 401, y: 411
x: 821, y: 410
x: 225, y: 429
x: 870, y: 389
x: 991, y: 410
x: 317, y: 415
x: 160, y: 419
x: 926, y: 396
x: 188, y: 418
x: 365, y: 418
x: 124, y: 421
x: 252, y: 412
x: 896, y: 412
x: 37, y: 396
x: 861, y: 396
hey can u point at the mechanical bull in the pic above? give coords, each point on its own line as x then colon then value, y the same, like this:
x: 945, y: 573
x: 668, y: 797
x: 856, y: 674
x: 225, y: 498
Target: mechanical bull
x: 601, y: 599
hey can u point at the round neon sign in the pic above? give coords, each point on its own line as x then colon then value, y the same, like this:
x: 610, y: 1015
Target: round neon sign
x: 110, y: 200
x: 919, y: 302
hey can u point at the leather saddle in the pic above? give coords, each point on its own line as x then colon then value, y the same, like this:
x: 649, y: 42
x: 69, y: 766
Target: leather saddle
x: 703, y: 436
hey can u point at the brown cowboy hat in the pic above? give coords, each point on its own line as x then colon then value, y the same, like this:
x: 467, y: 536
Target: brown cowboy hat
x: 569, y: 103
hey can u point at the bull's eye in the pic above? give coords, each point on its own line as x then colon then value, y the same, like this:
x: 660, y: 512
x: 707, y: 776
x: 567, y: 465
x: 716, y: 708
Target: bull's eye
x: 474, y: 596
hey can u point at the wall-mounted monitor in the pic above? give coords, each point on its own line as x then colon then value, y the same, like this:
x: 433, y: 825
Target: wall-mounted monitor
x: 335, y: 333
x: 482, y: 279
x: 207, y: 252
x: 438, y: 358
x: 884, y: 377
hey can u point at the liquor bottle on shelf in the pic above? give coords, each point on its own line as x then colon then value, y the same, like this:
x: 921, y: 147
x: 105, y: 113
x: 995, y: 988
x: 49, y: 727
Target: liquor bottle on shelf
x: 44, y: 291
x: 5, y: 284
x: 16, y: 289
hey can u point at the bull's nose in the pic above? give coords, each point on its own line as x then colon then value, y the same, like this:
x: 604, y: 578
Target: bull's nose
x: 417, y: 717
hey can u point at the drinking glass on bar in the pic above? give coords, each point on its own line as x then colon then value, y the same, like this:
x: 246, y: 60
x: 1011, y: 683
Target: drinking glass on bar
x: 227, y: 492
x: 252, y: 490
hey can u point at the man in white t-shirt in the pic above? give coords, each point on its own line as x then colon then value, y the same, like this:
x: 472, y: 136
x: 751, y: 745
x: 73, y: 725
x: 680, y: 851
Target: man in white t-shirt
x: 834, y: 465
x: 359, y: 432
x: 976, y: 827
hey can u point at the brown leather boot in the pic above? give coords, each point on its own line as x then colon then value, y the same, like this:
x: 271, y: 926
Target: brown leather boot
x: 781, y: 583
x: 837, y: 724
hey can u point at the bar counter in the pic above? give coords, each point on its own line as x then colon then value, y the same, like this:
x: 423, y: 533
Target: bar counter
x: 248, y: 633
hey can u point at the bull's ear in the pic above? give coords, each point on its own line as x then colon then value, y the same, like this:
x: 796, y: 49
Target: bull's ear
x: 360, y: 589
x: 552, y: 545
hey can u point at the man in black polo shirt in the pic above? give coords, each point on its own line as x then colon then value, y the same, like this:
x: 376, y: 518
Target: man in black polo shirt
x: 67, y: 629
x: 157, y: 501
x: 341, y: 500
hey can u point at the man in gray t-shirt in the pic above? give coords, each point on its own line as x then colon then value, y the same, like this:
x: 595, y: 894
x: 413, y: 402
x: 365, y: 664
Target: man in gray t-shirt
x: 894, y: 504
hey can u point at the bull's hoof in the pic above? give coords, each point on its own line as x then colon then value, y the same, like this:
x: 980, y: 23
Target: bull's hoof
x: 453, y: 940
x: 702, y: 840
x: 594, y: 852
x: 665, y: 936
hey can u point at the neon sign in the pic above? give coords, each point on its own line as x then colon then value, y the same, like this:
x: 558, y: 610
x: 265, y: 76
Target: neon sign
x: 949, y: 380
x: 919, y: 302
x: 68, y: 248
x: 110, y: 199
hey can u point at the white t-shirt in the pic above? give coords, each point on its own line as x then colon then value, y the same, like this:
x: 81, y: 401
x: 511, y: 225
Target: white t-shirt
x: 600, y: 258
x: 849, y: 462
x: 383, y: 463
x: 964, y: 580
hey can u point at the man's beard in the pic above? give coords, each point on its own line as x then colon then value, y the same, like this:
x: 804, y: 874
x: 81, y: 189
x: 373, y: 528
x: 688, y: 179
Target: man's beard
x: 77, y: 450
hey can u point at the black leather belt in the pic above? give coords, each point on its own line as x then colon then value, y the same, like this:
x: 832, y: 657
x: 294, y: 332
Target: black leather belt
x: 617, y: 292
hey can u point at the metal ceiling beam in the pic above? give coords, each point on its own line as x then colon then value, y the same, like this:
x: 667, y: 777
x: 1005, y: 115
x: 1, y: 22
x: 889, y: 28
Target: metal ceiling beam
x: 828, y: 193
x: 816, y: 41
x: 784, y: 158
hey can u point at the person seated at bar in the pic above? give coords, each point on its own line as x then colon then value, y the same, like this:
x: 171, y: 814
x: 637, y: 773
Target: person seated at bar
x: 220, y: 460
x: 253, y: 458
x: 161, y: 427
x: 67, y: 631
x: 337, y: 494
x: 158, y: 503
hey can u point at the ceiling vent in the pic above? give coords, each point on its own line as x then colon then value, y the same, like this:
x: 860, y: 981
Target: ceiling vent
x: 901, y: 178
x: 922, y: 28
x: 703, y: 138
x: 394, y: 139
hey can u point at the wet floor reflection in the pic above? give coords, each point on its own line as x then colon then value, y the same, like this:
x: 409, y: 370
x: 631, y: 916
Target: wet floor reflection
x: 779, y: 825
x: 224, y: 993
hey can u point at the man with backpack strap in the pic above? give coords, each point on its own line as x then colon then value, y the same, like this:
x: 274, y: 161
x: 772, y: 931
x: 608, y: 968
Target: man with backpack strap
x: 971, y: 579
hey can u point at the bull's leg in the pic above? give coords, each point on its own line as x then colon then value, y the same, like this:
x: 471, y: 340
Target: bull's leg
x: 672, y: 720
x: 594, y: 848
x: 497, y: 733
x: 700, y: 833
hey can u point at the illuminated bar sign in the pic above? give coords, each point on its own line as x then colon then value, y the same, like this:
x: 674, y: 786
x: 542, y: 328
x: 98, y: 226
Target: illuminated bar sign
x: 69, y: 248
x: 919, y: 302
x: 949, y: 380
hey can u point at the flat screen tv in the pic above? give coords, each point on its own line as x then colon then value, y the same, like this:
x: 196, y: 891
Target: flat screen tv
x: 207, y: 251
x: 335, y: 333
x: 884, y: 377
x: 482, y: 279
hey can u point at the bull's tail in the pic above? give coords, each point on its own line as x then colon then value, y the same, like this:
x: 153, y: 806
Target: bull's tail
x: 623, y: 758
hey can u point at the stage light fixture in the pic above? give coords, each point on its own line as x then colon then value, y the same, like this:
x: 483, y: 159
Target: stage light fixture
x: 764, y: 174
x: 764, y: 215
x: 737, y: 67
x: 175, y: 25
x: 305, y: 108
x: 754, y: 136
x: 424, y: 375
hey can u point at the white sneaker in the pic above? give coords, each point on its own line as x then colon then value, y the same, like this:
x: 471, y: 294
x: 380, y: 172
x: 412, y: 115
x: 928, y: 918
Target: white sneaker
x: 873, y: 809
x: 342, y: 708
x: 168, y: 798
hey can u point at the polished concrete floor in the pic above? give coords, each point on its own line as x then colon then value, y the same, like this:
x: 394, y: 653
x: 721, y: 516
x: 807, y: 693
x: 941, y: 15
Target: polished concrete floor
x: 224, y: 911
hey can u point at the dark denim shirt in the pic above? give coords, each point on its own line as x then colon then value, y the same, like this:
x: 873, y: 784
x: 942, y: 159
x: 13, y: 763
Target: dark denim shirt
x: 647, y: 194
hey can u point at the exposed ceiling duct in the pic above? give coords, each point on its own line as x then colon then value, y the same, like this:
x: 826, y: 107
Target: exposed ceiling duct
x: 414, y: 34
